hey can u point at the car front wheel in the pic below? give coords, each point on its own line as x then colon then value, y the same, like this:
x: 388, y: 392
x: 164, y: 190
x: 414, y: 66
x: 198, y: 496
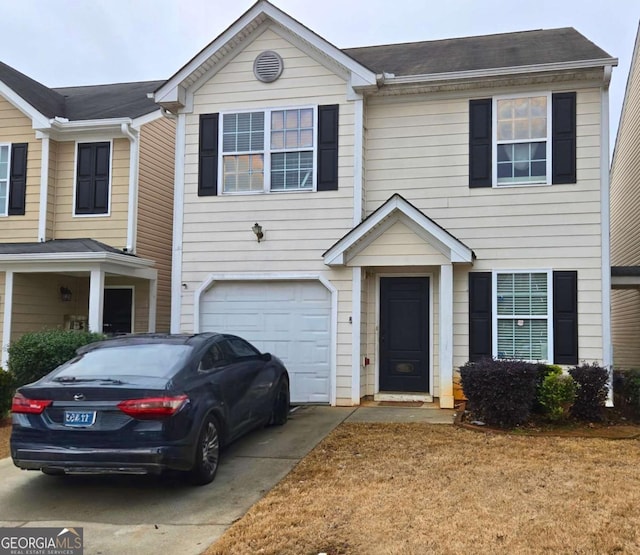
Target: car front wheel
x: 280, y: 411
x: 207, y: 453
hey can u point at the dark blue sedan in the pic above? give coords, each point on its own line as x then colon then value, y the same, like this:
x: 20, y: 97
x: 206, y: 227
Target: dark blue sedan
x: 143, y: 404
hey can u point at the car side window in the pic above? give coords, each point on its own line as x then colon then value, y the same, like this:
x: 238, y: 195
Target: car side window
x: 212, y: 358
x: 240, y: 348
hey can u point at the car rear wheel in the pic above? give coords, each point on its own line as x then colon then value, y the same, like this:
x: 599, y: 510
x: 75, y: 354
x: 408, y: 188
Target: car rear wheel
x: 207, y: 453
x: 280, y: 411
x: 53, y: 471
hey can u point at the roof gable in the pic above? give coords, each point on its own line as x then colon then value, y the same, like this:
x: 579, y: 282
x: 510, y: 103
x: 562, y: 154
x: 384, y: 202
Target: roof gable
x: 173, y: 94
x: 396, y: 209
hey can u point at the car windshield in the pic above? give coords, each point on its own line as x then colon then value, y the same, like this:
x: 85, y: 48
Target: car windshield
x: 151, y: 359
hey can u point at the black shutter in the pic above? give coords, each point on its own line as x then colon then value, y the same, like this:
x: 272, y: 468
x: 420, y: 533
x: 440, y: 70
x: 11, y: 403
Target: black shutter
x: 565, y: 317
x: 92, y: 178
x: 18, y: 179
x: 480, y: 315
x: 480, y: 142
x: 563, y: 138
x: 328, y: 148
x: 208, y: 155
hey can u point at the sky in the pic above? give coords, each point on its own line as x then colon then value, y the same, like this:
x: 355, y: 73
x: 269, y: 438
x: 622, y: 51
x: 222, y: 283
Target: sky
x: 86, y: 42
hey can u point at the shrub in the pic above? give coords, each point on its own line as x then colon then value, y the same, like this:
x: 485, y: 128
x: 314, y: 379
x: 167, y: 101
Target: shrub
x: 543, y: 370
x: 500, y: 392
x: 556, y: 395
x: 626, y: 392
x: 591, y: 393
x: 7, y: 388
x: 36, y: 354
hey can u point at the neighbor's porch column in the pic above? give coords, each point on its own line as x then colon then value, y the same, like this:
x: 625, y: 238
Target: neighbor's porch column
x: 446, y: 336
x: 153, y: 300
x: 8, y: 310
x: 96, y: 300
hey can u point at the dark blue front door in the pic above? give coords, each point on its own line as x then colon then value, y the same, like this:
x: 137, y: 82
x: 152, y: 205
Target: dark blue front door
x: 404, y: 334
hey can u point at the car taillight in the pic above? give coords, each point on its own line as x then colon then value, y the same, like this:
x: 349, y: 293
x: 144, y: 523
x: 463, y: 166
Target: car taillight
x: 21, y: 404
x: 150, y: 408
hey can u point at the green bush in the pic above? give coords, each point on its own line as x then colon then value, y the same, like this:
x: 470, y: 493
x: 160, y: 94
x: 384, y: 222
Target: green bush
x: 36, y: 354
x: 7, y: 388
x: 592, y: 383
x: 500, y: 392
x: 556, y: 394
x: 626, y: 392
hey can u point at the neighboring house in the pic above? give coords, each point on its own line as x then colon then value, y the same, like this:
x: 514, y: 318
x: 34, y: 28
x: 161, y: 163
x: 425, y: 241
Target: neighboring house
x: 420, y: 204
x: 625, y: 225
x: 86, y: 207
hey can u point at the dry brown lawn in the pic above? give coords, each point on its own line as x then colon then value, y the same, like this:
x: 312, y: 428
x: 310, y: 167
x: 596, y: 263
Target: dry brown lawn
x: 415, y: 489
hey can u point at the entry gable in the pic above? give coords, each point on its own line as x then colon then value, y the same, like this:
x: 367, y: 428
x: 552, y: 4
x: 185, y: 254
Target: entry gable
x: 173, y: 95
x: 398, y: 210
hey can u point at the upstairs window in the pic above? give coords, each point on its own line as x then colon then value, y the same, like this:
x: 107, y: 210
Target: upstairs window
x: 522, y: 140
x: 93, y: 179
x: 13, y: 179
x: 4, y: 179
x: 270, y: 150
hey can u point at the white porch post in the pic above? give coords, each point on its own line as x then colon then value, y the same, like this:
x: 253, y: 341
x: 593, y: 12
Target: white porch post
x: 446, y: 336
x: 96, y: 300
x: 153, y: 300
x: 8, y: 309
x: 356, y: 311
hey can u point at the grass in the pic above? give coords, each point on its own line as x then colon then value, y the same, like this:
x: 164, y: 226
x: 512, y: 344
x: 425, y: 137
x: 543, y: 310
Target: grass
x: 415, y: 488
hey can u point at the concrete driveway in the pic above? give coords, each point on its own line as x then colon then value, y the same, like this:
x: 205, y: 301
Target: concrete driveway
x: 152, y: 515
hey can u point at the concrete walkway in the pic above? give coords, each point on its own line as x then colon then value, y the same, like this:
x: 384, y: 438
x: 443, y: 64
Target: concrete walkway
x: 427, y: 414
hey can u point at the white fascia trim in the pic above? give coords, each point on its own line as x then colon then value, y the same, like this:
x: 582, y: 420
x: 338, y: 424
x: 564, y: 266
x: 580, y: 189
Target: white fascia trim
x: 458, y: 251
x: 170, y: 91
x: 498, y: 72
x: 132, y: 208
x: 605, y: 243
x: 44, y: 189
x: 358, y: 142
x: 178, y: 222
x: 38, y: 120
x: 36, y: 258
x: 280, y: 276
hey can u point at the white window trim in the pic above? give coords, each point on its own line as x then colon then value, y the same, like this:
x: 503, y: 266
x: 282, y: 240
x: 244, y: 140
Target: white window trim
x: 75, y: 179
x: 494, y: 141
x: 267, y: 151
x: 548, y: 318
x: 4, y: 211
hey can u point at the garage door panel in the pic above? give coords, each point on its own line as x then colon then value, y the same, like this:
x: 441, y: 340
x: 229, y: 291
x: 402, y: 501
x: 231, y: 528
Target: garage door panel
x: 289, y: 319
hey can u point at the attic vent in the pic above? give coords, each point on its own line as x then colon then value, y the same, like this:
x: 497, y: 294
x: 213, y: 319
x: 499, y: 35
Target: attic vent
x: 268, y: 66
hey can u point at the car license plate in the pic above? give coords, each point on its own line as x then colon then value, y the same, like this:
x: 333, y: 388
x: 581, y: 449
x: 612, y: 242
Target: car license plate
x: 79, y: 418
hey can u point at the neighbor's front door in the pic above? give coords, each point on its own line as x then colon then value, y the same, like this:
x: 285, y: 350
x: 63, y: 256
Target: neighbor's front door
x: 404, y: 334
x: 117, y: 311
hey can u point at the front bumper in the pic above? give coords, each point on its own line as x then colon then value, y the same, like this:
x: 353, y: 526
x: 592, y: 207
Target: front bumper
x: 71, y: 460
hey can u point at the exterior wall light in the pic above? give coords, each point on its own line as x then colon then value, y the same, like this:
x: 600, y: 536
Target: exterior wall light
x: 65, y: 294
x: 257, y: 229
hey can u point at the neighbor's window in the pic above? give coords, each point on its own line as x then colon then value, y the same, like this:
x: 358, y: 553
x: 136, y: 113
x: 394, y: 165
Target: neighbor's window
x: 522, y: 315
x: 4, y: 178
x: 522, y: 139
x: 268, y: 151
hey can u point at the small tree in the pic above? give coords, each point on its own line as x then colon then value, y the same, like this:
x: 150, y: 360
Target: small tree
x: 36, y: 354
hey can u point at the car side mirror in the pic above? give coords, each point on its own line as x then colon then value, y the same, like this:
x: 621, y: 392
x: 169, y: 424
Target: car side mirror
x: 266, y: 357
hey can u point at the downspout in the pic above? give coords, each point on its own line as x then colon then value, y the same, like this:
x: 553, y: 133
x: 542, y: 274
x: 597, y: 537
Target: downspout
x: 44, y: 189
x: 607, y: 351
x: 134, y: 151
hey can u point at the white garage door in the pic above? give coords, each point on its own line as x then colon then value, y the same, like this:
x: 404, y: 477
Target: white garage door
x: 290, y: 319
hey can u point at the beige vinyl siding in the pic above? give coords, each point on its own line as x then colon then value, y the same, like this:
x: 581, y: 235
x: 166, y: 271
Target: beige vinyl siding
x: 625, y: 224
x: 418, y: 147
x: 298, y: 226
x: 111, y: 229
x: 51, y: 189
x: 15, y: 127
x: 155, y: 208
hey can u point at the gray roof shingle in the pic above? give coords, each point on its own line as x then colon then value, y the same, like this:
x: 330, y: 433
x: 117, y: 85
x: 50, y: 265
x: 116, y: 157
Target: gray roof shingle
x: 57, y: 246
x: 476, y: 53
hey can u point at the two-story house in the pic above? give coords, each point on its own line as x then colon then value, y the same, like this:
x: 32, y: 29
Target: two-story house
x: 378, y: 216
x: 86, y: 207
x: 625, y: 225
